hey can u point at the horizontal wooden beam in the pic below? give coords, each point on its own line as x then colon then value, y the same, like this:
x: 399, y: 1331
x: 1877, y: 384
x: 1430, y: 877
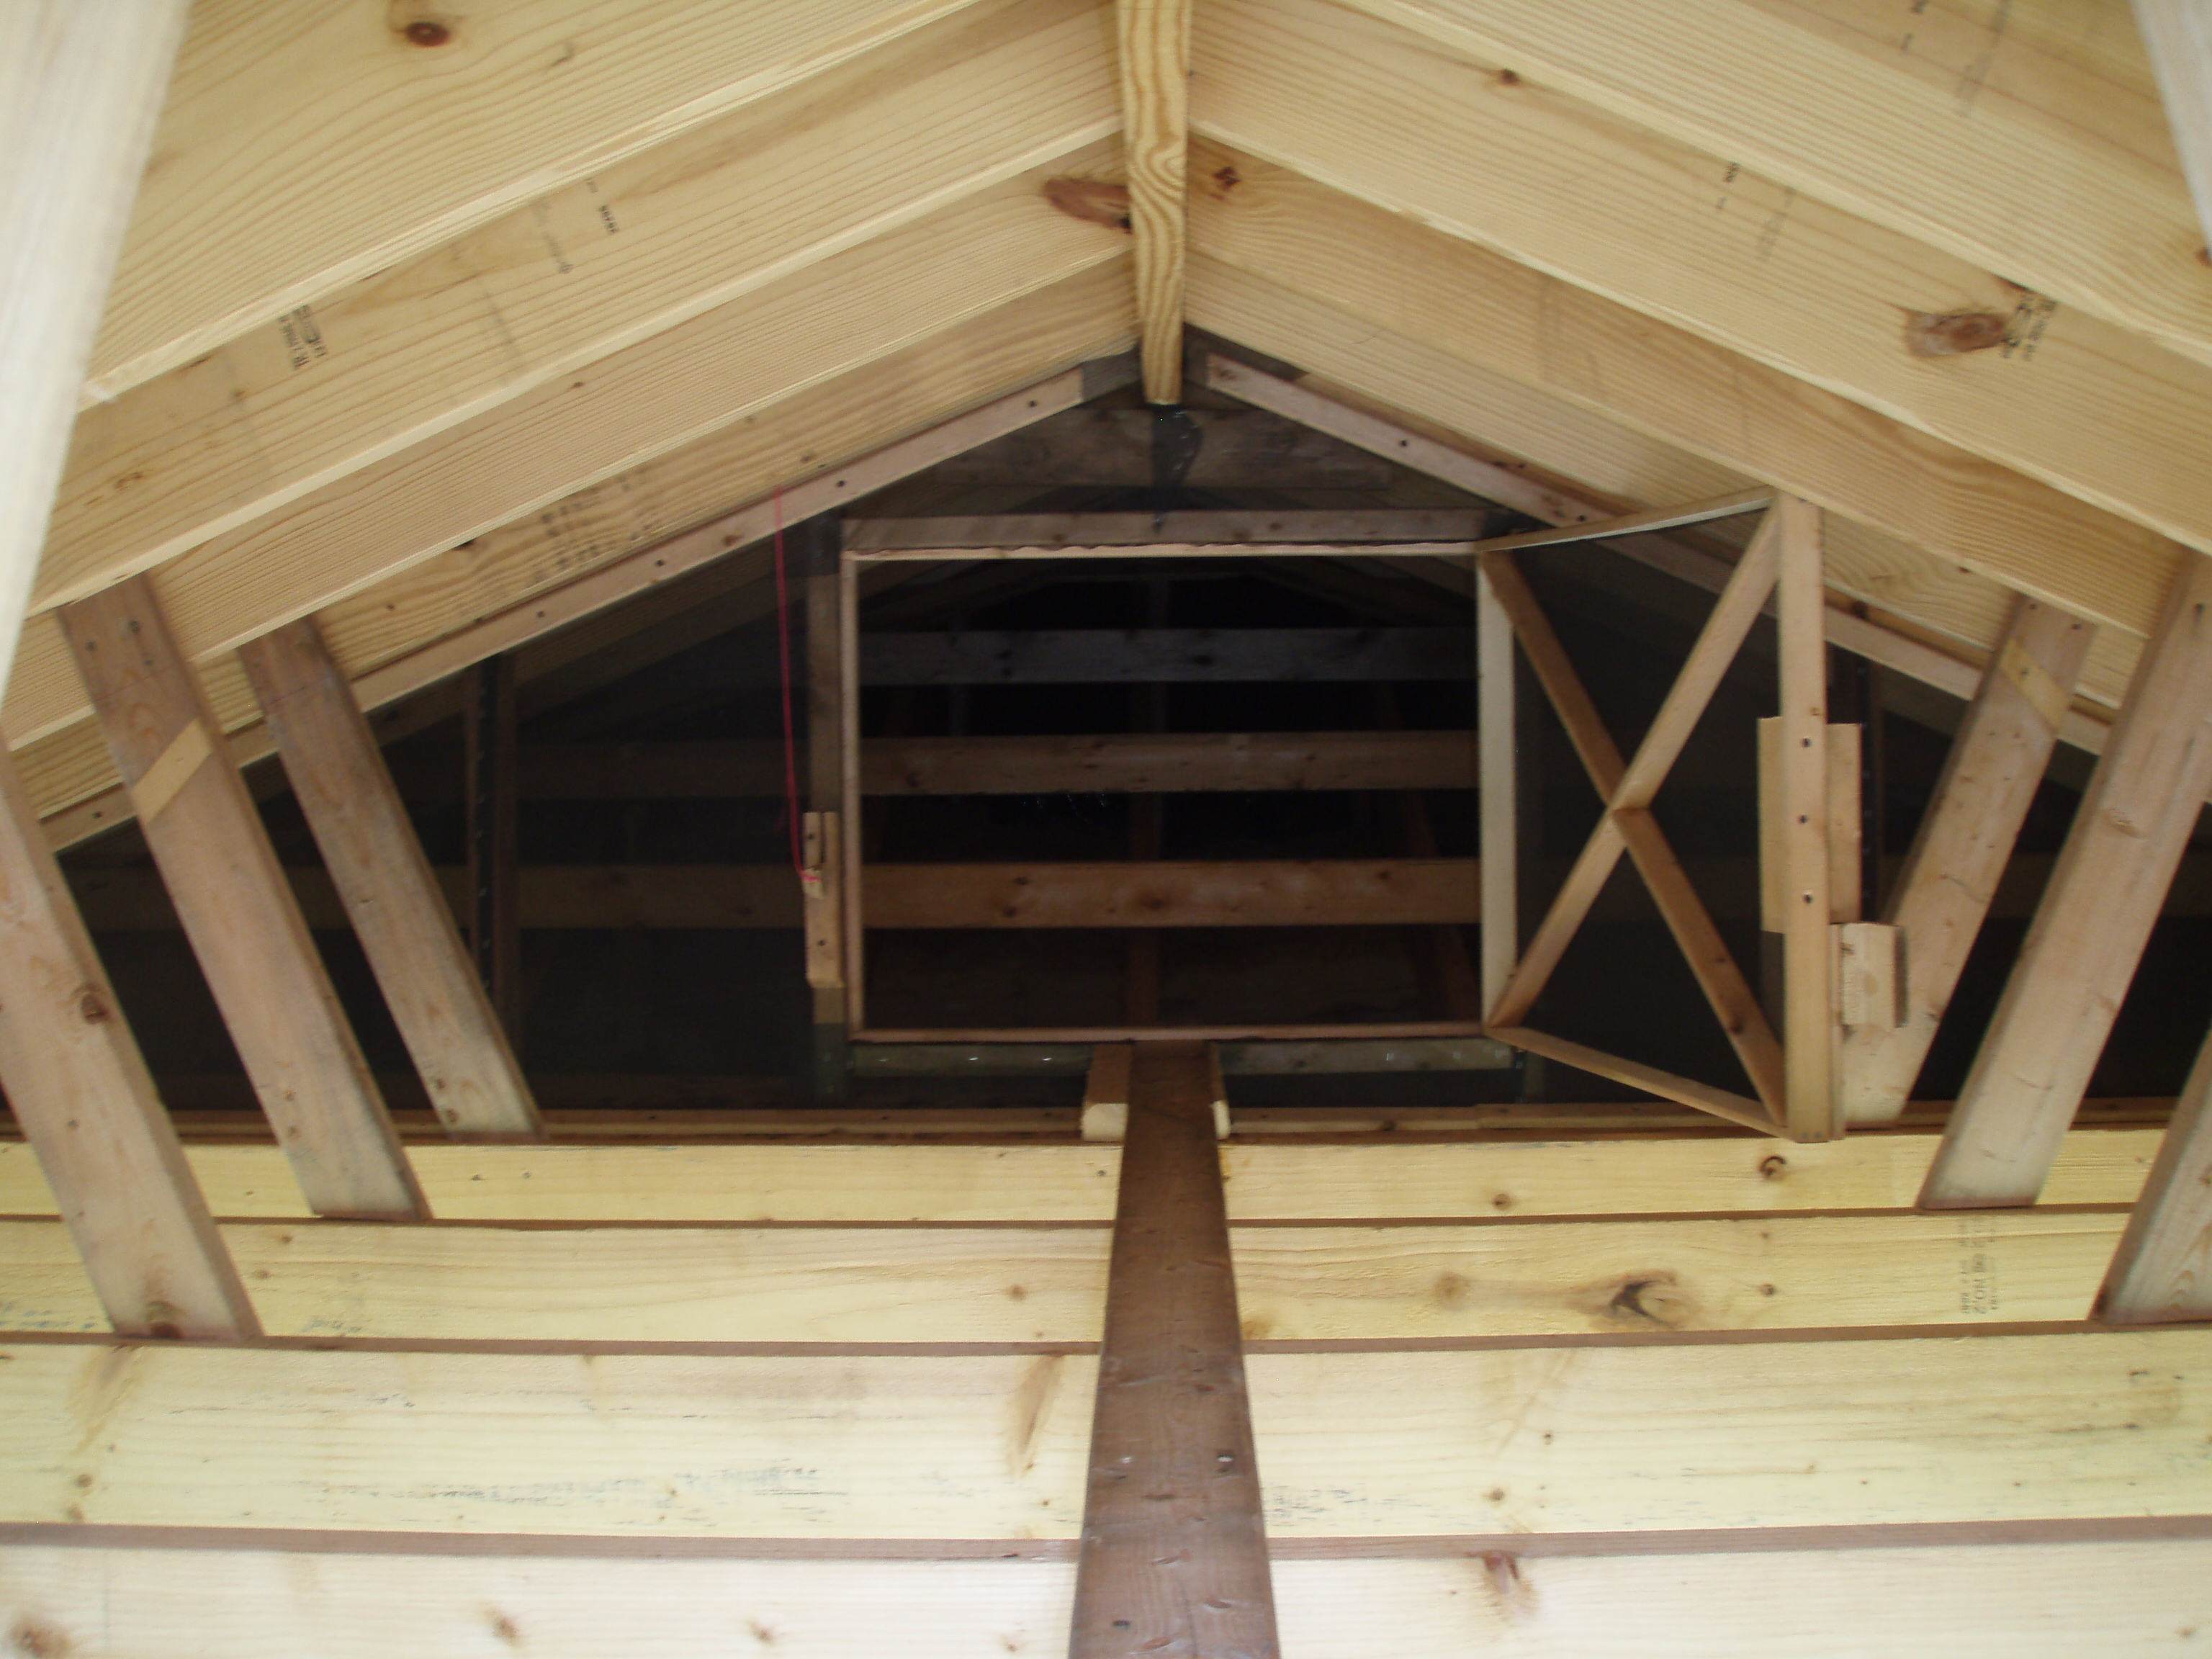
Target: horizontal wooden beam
x: 2002, y: 1429
x: 1164, y: 763
x: 576, y: 1600
x: 1189, y: 527
x: 1275, y: 893
x: 1140, y: 656
x: 1383, y: 1179
x: 1046, y: 1284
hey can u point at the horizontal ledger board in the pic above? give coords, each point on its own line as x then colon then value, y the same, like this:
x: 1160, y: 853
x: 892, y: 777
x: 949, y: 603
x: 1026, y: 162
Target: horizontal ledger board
x: 883, y: 1286
x: 1140, y: 655
x: 1677, y: 1434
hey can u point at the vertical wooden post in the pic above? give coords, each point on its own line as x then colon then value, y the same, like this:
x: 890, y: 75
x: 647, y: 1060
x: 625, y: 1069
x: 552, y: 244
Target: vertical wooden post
x: 85, y: 1102
x: 494, y: 904
x: 1155, y: 63
x: 816, y: 546
x: 81, y: 87
x: 2163, y: 1268
x: 405, y: 927
x: 2103, y: 899
x: 1497, y: 756
x: 1951, y: 873
x: 848, y: 788
x: 1174, y: 1553
x: 1812, y: 1106
x: 243, y: 922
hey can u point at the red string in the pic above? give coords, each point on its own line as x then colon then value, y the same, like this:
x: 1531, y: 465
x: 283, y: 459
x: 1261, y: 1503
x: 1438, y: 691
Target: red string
x: 783, y: 657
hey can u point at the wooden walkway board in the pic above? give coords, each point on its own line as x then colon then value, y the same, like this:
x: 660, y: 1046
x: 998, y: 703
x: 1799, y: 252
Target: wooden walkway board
x: 1174, y: 1553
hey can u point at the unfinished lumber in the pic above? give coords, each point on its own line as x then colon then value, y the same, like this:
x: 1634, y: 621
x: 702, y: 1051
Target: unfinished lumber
x: 494, y: 907
x: 1723, y: 1103
x: 1067, y: 1181
x: 1966, y: 1601
x: 391, y: 895
x: 891, y: 1285
x: 1164, y: 763
x: 1499, y: 807
x: 80, y: 88
x: 2178, y: 36
x: 1154, y: 60
x: 2096, y: 915
x: 1174, y: 1549
x: 1811, y: 1107
x: 1130, y: 533
x: 1140, y: 655
x: 1942, y: 894
x: 1173, y: 893
x: 2162, y: 1270
x: 2053, y: 1429
x: 231, y: 896
x: 328, y: 382
x: 78, y: 1086
x: 809, y: 560
x: 1238, y: 449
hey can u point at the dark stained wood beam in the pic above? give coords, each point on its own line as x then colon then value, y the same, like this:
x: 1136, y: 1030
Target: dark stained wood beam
x: 1174, y: 1553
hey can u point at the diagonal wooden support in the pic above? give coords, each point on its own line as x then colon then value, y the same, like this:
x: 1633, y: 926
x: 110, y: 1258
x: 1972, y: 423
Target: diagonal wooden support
x: 238, y: 910
x: 1951, y: 873
x: 1174, y: 1554
x: 1637, y: 833
x: 2162, y: 1270
x: 2103, y: 897
x: 1155, y: 63
x: 391, y: 896
x: 80, y: 1091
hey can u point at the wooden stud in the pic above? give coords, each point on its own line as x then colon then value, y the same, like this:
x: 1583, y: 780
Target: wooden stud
x: 80, y: 87
x: 244, y: 925
x: 2162, y: 1270
x: 1154, y: 39
x: 1812, y: 1108
x: 2177, y: 34
x: 811, y: 560
x: 390, y: 893
x: 1174, y: 1551
x: 1949, y: 877
x: 81, y: 1094
x: 1688, y: 1091
x: 493, y: 906
x: 855, y: 898
x: 1106, y: 1092
x: 1870, y: 977
x: 2103, y: 897
x: 1499, y: 807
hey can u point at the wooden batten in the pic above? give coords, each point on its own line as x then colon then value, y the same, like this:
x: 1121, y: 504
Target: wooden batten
x: 81, y: 1093
x: 2089, y: 931
x: 1174, y: 1550
x: 391, y: 895
x: 243, y: 922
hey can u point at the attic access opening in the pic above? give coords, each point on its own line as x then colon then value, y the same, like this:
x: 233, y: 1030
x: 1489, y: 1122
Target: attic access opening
x: 1374, y: 709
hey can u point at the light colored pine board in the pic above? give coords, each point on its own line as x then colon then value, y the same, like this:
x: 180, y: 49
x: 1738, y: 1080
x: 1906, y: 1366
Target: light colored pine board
x: 1497, y: 808
x: 878, y: 421
x: 878, y: 297
x: 1152, y: 38
x: 251, y: 942
x: 2105, y: 894
x: 634, y: 249
x: 389, y: 891
x: 1283, y: 526
x: 2177, y: 34
x: 1703, y: 243
x: 876, y: 1284
x: 278, y: 109
x: 1271, y: 893
x: 1811, y: 1106
x: 1950, y: 875
x: 80, y: 87
x: 1755, y: 421
x: 1070, y: 1182
x: 152, y: 1263
x: 2163, y: 1268
x: 1893, y: 581
x: 2017, y: 1601
x: 1742, y: 1110
x: 2050, y: 172
x: 1173, y: 1550
x: 1646, y: 1438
